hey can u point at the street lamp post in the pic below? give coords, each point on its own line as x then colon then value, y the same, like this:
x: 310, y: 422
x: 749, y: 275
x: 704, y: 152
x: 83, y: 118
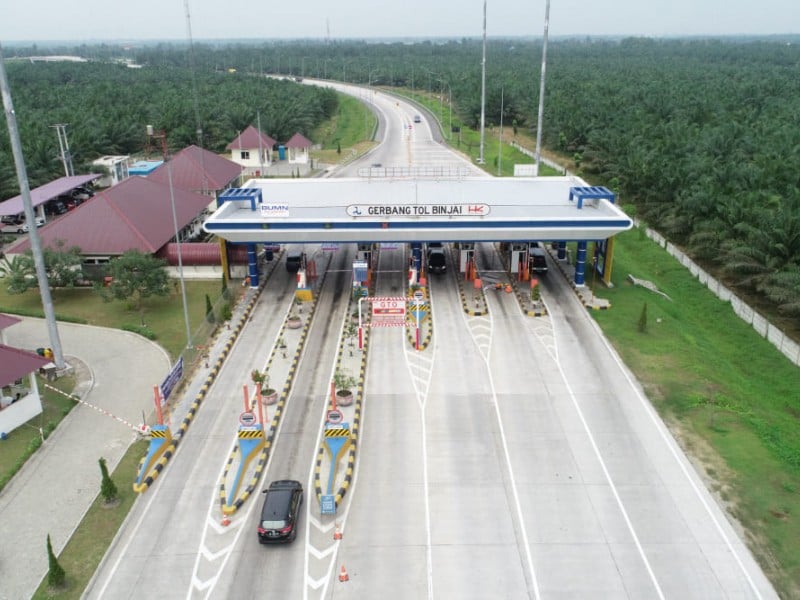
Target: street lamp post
x: 27, y: 204
x: 481, y: 159
x: 151, y: 133
x: 540, y: 116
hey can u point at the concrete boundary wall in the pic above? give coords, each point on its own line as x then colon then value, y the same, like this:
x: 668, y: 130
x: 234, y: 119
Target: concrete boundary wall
x: 788, y: 347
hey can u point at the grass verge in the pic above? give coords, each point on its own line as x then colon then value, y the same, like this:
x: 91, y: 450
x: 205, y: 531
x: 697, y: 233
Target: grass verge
x: 730, y: 397
x: 21, y: 443
x: 91, y: 539
x: 163, y: 315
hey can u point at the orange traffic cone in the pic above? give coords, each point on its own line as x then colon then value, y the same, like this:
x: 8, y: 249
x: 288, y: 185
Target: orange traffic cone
x: 337, y: 534
x: 508, y: 289
x: 225, y: 521
x: 343, y: 576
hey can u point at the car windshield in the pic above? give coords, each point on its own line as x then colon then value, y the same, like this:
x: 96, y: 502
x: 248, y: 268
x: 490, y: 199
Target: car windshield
x: 273, y: 524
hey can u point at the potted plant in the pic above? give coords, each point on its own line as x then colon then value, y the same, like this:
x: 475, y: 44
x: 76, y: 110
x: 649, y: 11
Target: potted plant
x: 536, y: 293
x: 294, y: 321
x: 261, y: 379
x: 344, y: 383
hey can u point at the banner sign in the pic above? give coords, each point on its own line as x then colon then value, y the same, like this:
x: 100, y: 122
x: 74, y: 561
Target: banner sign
x: 418, y: 210
x: 171, y: 379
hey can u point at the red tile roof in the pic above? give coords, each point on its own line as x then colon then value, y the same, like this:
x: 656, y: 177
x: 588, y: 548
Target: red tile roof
x: 16, y: 363
x: 198, y: 170
x: 134, y: 214
x: 299, y: 141
x: 249, y: 139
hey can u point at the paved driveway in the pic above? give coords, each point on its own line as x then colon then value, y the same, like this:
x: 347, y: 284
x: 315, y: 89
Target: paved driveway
x: 117, y: 371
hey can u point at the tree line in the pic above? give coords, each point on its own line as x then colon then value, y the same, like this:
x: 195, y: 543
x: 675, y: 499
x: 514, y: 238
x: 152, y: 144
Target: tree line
x: 699, y: 137
x: 107, y: 107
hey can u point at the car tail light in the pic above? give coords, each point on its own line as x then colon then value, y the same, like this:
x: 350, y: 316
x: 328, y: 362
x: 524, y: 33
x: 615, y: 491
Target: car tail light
x: 262, y: 531
x: 286, y: 529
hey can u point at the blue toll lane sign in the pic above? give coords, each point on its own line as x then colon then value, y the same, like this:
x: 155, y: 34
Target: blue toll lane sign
x: 328, y: 505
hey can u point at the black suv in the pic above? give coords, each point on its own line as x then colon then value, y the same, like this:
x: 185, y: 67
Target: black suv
x: 280, y: 512
x: 436, y: 258
x: 538, y: 260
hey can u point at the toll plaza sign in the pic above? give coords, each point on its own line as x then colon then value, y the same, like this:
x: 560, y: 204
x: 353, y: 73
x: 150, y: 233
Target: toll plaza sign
x: 389, y: 308
x: 418, y: 210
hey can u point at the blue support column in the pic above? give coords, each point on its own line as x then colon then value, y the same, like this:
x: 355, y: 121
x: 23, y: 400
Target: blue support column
x: 580, y: 264
x: 252, y: 265
x: 562, y: 250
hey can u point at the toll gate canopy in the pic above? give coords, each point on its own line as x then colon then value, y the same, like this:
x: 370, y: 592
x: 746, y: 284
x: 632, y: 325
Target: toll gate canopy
x: 416, y: 210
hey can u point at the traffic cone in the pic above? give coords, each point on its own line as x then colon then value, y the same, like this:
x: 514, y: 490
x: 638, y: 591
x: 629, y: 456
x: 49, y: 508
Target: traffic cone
x: 225, y: 521
x: 337, y: 534
x: 343, y: 576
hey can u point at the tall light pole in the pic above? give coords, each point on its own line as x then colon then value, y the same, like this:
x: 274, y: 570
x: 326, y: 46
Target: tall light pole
x: 30, y: 218
x: 500, y: 142
x: 151, y: 133
x: 483, y: 88
x: 541, y: 91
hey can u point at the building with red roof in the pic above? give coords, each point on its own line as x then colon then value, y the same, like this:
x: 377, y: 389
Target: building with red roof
x: 197, y: 170
x: 133, y: 215
x: 253, y: 151
x: 298, y: 148
x: 19, y: 393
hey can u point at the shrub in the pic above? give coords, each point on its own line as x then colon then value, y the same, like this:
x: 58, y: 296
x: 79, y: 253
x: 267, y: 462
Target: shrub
x: 55, y: 573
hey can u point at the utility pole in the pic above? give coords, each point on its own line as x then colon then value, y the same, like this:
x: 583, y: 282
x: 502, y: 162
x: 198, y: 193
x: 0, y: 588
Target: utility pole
x: 63, y: 145
x: 540, y: 118
x: 483, y: 88
x: 30, y: 218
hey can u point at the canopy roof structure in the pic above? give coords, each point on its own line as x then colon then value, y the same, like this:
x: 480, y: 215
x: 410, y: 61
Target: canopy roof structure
x: 416, y: 210
x: 43, y: 193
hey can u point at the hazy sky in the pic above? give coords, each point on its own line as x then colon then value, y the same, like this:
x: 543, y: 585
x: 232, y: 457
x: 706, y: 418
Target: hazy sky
x: 166, y: 19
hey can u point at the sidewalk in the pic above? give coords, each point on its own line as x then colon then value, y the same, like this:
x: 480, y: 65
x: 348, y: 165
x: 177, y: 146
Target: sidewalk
x: 58, y: 484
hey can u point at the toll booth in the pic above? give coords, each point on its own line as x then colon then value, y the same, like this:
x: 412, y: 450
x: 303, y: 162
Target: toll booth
x: 360, y: 276
x: 415, y: 264
x: 364, y: 253
x: 466, y: 256
x: 518, y: 259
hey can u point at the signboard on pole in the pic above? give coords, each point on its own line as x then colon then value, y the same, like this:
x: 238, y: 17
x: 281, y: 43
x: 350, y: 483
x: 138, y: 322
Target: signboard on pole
x: 328, y: 505
x: 247, y: 419
x: 394, y: 308
x: 171, y: 379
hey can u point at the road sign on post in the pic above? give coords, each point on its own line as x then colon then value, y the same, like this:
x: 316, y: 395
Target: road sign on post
x: 394, y: 308
x: 247, y: 419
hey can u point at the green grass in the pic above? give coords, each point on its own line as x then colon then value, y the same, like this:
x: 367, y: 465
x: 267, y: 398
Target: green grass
x: 89, y: 543
x: 352, y: 124
x: 26, y: 439
x: 162, y: 315
x: 724, y: 386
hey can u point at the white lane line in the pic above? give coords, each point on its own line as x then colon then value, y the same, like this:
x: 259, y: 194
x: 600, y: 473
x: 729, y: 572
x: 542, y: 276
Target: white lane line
x: 234, y: 525
x: 607, y: 475
x: 413, y: 358
x: 672, y: 446
x: 507, y: 455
